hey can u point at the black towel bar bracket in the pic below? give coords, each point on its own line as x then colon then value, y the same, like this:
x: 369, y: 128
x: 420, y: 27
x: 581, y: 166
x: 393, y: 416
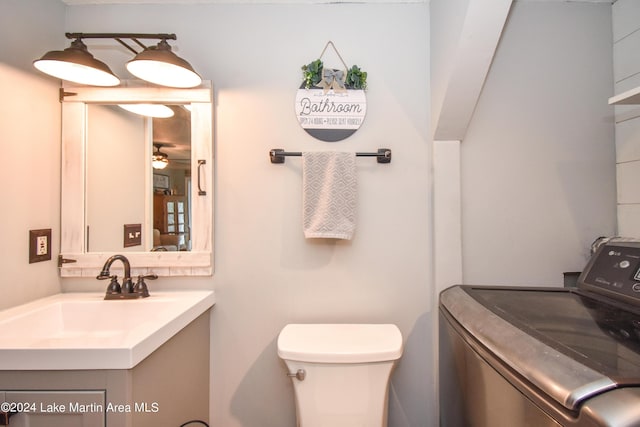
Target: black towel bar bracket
x: 277, y: 155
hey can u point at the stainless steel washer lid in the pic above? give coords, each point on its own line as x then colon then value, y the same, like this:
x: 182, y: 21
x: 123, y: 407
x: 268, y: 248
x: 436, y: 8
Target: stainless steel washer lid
x: 562, y: 378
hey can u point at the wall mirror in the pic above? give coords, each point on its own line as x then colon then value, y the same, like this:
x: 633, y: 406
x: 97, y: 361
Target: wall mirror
x: 115, y: 201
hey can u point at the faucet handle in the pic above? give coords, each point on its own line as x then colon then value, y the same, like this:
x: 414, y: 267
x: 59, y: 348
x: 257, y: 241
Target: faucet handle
x: 141, y: 287
x: 114, y: 286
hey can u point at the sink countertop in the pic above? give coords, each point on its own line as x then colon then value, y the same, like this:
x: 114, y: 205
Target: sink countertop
x: 79, y: 331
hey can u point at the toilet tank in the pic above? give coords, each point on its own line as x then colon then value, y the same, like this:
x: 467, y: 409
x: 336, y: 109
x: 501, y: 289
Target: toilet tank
x: 340, y: 343
x: 346, y: 372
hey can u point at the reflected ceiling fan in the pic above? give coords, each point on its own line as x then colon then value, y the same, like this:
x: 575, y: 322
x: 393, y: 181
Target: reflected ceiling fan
x: 172, y: 139
x: 159, y: 160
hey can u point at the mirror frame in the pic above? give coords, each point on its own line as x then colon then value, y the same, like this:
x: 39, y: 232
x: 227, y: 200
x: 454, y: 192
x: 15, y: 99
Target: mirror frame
x: 74, y: 261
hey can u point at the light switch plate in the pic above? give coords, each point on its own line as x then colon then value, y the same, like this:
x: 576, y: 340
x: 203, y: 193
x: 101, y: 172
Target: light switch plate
x: 132, y: 235
x: 39, y: 245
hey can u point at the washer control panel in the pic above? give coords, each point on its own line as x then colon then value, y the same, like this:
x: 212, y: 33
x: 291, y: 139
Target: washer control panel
x: 614, y: 268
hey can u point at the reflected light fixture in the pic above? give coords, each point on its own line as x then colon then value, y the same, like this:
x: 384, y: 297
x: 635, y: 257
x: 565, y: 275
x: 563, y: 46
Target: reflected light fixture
x: 158, y: 111
x: 155, y: 64
x: 159, y: 159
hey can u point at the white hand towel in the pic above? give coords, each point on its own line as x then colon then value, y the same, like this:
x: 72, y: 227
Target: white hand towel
x: 329, y: 194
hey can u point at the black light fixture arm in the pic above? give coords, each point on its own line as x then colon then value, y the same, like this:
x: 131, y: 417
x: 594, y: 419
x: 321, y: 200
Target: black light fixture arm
x: 119, y: 36
x: 159, y: 36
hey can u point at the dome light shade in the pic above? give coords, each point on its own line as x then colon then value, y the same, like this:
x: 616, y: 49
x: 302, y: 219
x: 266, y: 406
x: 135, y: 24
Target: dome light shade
x: 159, y: 162
x: 159, y: 159
x: 159, y: 65
x: 159, y: 111
x: 76, y: 64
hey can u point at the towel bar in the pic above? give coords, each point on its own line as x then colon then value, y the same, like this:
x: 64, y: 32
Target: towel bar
x: 277, y: 155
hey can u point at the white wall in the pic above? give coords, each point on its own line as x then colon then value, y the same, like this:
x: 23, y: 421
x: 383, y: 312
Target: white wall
x: 30, y: 141
x: 538, y: 161
x: 267, y: 274
x: 626, y: 66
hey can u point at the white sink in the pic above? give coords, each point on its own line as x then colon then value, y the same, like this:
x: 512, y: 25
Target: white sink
x: 75, y: 331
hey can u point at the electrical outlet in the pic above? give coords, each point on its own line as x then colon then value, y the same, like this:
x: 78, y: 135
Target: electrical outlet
x: 39, y: 245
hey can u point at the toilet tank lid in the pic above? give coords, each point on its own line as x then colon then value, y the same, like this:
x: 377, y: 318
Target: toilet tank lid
x: 340, y: 343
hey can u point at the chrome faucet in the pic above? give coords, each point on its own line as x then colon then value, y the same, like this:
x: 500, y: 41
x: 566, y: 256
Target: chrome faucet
x: 128, y: 290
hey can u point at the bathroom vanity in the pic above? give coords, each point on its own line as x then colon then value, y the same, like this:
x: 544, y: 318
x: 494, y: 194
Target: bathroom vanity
x: 74, y: 371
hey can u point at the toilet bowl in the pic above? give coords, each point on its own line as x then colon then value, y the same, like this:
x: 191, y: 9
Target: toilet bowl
x: 340, y: 372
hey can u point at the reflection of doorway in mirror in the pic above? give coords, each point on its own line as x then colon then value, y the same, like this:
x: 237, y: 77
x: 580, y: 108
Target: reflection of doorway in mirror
x: 171, y: 204
x: 170, y: 219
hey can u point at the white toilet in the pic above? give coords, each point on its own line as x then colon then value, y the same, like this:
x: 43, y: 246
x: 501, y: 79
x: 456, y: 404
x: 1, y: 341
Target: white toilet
x: 340, y: 372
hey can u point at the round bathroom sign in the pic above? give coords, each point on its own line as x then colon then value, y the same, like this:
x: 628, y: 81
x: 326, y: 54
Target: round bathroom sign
x: 330, y: 116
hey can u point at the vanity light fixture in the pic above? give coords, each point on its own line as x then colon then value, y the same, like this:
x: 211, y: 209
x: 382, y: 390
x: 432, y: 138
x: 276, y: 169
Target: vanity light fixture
x: 76, y: 64
x: 155, y: 64
x: 159, y: 159
x: 159, y: 111
x: 159, y: 65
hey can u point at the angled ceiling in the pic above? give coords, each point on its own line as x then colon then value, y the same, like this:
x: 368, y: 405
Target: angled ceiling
x: 459, y: 77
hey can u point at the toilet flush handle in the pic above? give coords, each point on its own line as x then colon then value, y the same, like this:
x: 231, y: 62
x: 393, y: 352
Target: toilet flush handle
x: 300, y: 374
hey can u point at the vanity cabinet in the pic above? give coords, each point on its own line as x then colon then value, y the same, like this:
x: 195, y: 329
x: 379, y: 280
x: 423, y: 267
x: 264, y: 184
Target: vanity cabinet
x: 168, y: 388
x: 56, y: 408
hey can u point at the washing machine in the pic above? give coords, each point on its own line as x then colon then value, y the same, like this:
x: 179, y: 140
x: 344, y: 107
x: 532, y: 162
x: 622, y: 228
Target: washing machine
x: 532, y: 356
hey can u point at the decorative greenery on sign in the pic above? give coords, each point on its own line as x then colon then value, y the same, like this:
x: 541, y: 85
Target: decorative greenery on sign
x: 356, y: 78
x: 312, y: 75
